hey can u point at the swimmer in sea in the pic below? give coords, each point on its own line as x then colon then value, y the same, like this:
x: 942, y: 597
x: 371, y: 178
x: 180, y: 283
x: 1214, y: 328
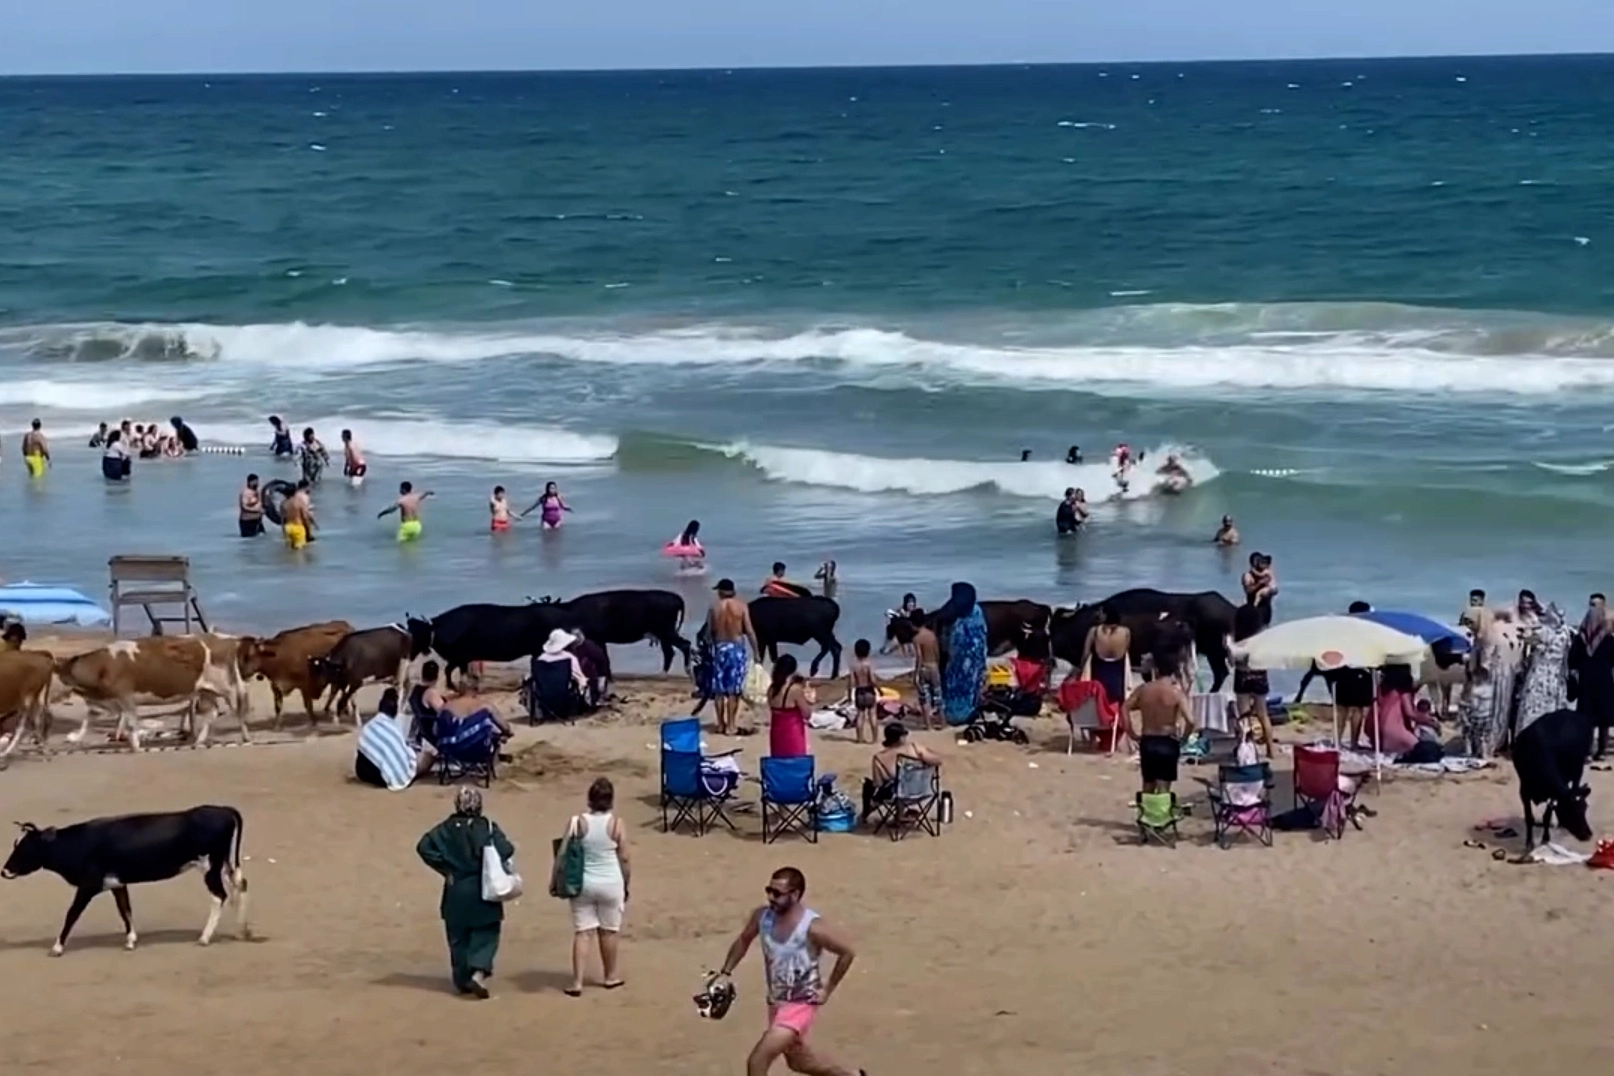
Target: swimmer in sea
x: 312, y: 456
x: 1074, y: 455
x: 1227, y: 534
x: 353, y: 466
x: 553, y: 507
x: 1123, y: 466
x: 408, y: 508
x: 1072, y: 513
x: 498, y: 511
x: 250, y: 504
x: 35, y: 450
x: 692, y: 557
x: 1025, y: 455
x: 1176, y: 475
x: 280, y: 444
x: 98, y: 438
x: 297, y: 517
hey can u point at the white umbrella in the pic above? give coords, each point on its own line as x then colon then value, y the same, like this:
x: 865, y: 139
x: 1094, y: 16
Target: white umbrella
x: 1330, y: 642
x: 1333, y: 642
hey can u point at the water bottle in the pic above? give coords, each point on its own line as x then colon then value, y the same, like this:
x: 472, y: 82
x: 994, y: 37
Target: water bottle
x: 944, y: 809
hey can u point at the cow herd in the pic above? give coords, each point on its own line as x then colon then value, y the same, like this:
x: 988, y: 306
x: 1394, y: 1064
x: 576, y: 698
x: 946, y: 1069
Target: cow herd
x: 207, y: 674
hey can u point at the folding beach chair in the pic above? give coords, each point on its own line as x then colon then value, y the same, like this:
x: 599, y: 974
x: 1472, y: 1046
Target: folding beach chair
x: 692, y: 789
x: 789, y: 798
x: 1158, y: 818
x: 1316, y: 780
x: 915, y: 802
x: 1241, y: 802
x: 550, y: 694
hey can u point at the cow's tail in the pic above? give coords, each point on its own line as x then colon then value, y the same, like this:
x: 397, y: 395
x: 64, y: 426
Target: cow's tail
x: 237, y: 874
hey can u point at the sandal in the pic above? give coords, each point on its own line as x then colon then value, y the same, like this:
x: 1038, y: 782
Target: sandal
x: 1475, y: 844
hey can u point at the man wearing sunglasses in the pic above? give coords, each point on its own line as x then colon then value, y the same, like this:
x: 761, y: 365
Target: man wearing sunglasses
x: 794, y: 937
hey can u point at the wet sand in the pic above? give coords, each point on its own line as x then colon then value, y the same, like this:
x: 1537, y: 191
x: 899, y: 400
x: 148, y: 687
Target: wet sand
x: 1033, y: 937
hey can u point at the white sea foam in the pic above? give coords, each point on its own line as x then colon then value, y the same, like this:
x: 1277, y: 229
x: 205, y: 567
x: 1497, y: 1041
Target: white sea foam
x: 1297, y: 347
x: 98, y: 398
x: 430, y: 439
x: 927, y: 477
x: 1578, y: 470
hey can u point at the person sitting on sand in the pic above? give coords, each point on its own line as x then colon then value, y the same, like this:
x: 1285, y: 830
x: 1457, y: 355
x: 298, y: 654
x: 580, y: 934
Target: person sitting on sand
x: 1227, y: 535
x: 385, y: 757
x: 1399, y: 723
x: 596, y: 664
x: 557, y: 649
x: 882, y: 780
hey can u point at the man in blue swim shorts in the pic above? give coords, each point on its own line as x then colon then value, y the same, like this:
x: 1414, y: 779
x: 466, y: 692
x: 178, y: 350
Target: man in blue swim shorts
x: 729, y: 621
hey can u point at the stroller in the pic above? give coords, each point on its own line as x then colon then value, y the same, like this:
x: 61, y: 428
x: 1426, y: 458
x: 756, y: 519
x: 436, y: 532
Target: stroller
x: 994, y: 719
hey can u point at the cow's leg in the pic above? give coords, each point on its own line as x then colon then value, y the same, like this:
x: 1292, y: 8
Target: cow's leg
x: 309, y: 698
x: 1305, y: 682
x: 214, y: 879
x: 129, y: 718
x: 238, y: 894
x: 1218, y: 663
x: 121, y: 895
x: 81, y: 900
x: 280, y: 705
x: 684, y: 648
x: 666, y: 653
x: 1529, y: 824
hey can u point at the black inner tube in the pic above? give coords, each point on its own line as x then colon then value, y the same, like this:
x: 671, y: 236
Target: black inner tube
x: 275, y: 492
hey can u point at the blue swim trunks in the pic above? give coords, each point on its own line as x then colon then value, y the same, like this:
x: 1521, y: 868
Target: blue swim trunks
x: 730, y: 663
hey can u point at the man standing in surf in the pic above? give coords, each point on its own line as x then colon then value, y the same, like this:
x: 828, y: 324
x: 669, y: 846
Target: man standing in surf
x: 729, y: 621
x: 353, y: 466
x: 408, y: 508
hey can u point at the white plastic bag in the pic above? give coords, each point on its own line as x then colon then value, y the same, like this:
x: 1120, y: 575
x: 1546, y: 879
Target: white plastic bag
x: 500, y: 883
x: 755, y: 690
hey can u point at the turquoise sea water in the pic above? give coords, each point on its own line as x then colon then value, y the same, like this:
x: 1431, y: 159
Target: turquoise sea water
x: 823, y: 311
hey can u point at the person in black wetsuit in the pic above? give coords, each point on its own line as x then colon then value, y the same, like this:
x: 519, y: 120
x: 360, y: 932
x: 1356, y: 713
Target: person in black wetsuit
x: 1072, y: 512
x: 184, y: 434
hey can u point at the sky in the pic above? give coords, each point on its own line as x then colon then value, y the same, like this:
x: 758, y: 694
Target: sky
x: 153, y: 36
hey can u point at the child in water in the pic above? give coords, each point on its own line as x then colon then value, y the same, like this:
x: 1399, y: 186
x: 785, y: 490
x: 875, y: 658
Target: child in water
x: 688, y: 549
x: 499, y: 511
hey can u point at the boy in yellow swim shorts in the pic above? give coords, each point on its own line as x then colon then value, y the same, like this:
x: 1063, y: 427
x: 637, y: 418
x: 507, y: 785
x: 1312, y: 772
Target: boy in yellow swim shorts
x: 408, y: 508
x: 35, y: 450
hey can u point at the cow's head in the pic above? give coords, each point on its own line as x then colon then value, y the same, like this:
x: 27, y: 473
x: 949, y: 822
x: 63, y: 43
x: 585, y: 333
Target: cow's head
x: 420, y: 636
x: 251, y: 654
x: 1572, y: 813
x: 30, y: 851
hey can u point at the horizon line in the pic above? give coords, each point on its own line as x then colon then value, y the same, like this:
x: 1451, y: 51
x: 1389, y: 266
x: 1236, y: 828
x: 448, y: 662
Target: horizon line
x: 731, y: 68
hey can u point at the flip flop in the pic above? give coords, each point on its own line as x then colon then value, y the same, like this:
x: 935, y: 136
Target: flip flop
x: 1474, y: 844
x: 1499, y: 855
x: 1506, y: 832
x: 613, y: 986
x: 569, y: 992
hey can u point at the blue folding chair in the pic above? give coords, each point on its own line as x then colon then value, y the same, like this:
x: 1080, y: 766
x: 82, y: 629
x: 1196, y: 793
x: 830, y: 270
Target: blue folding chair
x: 690, y: 792
x: 789, y: 798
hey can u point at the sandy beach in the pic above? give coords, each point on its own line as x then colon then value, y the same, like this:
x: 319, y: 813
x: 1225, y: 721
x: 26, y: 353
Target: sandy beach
x: 1033, y: 936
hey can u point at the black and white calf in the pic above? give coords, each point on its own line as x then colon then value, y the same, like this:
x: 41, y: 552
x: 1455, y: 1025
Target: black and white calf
x: 115, y: 853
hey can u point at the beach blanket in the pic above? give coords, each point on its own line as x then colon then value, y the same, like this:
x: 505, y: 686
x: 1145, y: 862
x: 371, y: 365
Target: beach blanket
x: 383, y: 743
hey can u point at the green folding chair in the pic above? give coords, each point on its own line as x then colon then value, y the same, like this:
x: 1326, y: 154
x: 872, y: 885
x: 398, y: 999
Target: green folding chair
x: 1157, y: 818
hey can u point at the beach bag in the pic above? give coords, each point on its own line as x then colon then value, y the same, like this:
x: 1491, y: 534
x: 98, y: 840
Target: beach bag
x: 757, y: 682
x: 566, y: 877
x: 500, y: 882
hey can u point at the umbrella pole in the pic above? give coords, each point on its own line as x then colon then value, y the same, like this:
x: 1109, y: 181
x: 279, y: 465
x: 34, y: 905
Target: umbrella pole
x: 1333, y: 706
x: 1378, y: 746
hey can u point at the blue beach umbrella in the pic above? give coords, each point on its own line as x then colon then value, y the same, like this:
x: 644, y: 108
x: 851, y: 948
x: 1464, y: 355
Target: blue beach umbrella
x: 43, y: 606
x: 1430, y: 631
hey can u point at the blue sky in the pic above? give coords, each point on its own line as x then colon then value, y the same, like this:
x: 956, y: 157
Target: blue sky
x: 95, y: 36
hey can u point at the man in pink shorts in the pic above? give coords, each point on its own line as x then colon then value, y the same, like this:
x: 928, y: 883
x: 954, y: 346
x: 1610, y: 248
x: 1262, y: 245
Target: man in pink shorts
x: 794, y: 938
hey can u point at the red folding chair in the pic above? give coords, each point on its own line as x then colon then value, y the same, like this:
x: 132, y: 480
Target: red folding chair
x: 1317, y: 786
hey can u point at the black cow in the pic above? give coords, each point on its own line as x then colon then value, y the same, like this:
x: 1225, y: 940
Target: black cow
x: 371, y: 654
x: 621, y: 617
x: 116, y: 853
x: 1007, y: 624
x: 484, y: 632
x: 1549, y: 756
x: 1150, y: 615
x: 798, y: 621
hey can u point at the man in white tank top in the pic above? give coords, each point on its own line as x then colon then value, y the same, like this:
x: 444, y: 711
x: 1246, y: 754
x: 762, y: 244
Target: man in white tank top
x: 794, y: 937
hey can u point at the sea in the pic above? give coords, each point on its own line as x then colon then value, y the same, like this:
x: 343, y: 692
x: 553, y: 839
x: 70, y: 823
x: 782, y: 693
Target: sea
x: 1369, y: 303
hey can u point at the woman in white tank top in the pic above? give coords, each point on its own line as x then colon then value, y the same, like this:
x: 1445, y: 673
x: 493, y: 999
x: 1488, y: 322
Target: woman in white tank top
x: 597, y: 910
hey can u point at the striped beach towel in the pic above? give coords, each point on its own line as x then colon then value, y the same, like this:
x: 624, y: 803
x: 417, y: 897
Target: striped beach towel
x: 382, y: 742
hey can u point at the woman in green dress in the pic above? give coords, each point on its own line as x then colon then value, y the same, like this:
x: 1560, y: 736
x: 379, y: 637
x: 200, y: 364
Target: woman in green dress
x: 453, y: 848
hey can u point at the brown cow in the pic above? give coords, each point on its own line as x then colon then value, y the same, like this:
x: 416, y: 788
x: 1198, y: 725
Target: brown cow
x: 120, y: 677
x: 25, y: 694
x: 287, y: 661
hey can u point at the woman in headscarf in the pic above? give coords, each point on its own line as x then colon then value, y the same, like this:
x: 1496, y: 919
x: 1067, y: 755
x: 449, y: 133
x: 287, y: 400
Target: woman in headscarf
x: 453, y: 848
x: 966, y: 655
x: 1591, y: 668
